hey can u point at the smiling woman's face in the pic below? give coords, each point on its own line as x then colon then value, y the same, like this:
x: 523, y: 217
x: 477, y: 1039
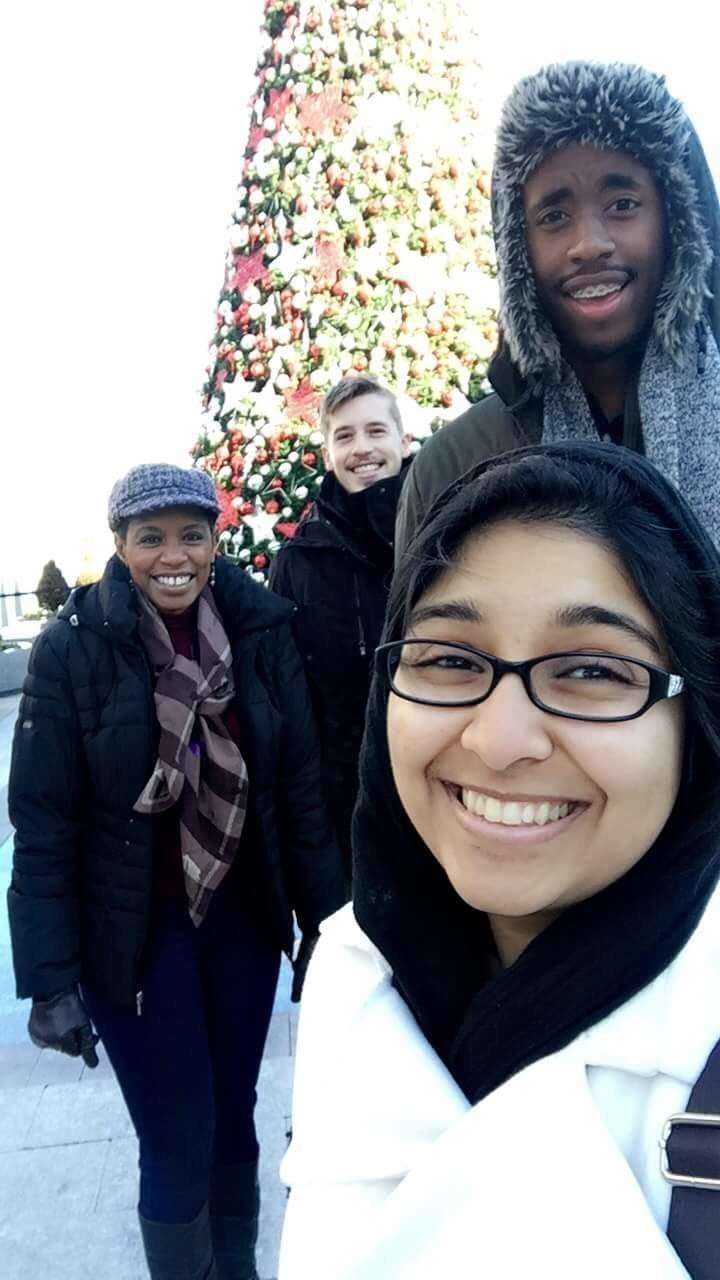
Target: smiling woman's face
x: 607, y: 789
x: 169, y: 555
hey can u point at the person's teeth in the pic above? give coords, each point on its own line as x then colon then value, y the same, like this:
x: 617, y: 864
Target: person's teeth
x: 513, y: 813
x: 493, y: 809
x: 176, y: 581
x: 596, y: 291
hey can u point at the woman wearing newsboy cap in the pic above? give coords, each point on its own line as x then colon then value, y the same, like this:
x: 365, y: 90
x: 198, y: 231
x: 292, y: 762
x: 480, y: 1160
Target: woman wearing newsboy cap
x: 165, y: 794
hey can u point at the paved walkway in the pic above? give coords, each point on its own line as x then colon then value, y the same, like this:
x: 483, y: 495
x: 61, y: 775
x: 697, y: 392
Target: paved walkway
x: 68, y: 1156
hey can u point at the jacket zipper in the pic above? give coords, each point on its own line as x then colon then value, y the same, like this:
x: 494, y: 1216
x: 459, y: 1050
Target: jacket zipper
x: 139, y: 997
x: 361, y: 631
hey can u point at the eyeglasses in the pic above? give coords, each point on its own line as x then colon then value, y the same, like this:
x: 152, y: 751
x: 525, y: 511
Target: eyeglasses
x: 578, y: 685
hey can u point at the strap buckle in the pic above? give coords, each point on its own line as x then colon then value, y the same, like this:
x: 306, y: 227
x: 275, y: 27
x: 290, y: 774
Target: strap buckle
x: 701, y: 1119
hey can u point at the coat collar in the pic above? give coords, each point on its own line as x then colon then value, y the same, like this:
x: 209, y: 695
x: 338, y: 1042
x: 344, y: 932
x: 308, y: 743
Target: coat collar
x: 362, y: 523
x: 536, y: 1154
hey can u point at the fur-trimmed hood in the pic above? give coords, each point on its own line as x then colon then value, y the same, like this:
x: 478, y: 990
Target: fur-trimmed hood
x: 615, y: 107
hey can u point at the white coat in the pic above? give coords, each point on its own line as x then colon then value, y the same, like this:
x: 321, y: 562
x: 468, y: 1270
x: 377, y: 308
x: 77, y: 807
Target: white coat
x: 395, y: 1176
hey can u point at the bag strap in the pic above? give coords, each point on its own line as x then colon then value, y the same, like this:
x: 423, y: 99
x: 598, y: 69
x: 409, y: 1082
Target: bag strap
x: 690, y: 1162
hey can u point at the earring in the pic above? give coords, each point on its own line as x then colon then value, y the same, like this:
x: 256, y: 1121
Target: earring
x: 211, y: 579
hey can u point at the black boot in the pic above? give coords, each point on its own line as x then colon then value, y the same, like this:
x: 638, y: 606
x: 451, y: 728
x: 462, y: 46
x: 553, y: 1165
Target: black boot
x: 179, y: 1251
x: 234, y: 1208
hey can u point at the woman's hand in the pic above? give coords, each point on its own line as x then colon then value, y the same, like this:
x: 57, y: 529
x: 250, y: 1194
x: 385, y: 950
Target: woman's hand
x: 63, y: 1024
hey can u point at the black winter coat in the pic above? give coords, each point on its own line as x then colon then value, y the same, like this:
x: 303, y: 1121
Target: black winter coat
x: 85, y: 744
x: 336, y: 570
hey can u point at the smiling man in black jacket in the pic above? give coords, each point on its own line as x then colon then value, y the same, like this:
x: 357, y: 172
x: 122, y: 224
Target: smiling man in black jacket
x: 337, y: 571
x: 607, y: 230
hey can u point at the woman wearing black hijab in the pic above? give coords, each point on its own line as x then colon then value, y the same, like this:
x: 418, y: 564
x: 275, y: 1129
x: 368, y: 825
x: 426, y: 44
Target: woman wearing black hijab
x: 526, y: 987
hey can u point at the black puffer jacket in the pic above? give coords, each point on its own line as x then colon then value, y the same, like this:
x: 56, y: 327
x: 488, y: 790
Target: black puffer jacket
x: 85, y: 744
x: 337, y: 570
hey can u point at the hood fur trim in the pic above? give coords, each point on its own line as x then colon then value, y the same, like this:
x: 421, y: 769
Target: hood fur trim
x: 614, y: 107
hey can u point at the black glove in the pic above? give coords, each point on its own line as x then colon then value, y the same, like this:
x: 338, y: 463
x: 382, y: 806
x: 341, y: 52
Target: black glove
x: 63, y: 1024
x: 300, y: 964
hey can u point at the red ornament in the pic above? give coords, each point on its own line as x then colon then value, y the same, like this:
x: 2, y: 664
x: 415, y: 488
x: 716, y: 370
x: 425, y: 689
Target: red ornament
x: 247, y: 509
x: 309, y: 459
x: 329, y: 259
x: 261, y: 457
x: 272, y: 507
x: 286, y: 529
x: 260, y: 561
x: 276, y: 483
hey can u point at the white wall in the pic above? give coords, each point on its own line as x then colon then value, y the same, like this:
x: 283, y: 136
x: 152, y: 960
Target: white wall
x: 124, y: 126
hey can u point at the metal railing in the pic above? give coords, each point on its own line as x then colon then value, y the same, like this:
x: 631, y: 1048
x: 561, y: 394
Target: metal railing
x: 15, y: 605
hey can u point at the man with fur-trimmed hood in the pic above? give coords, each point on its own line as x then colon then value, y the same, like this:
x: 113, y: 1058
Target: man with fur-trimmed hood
x: 607, y: 229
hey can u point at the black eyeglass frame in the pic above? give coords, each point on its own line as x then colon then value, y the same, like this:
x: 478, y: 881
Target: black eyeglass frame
x: 663, y: 684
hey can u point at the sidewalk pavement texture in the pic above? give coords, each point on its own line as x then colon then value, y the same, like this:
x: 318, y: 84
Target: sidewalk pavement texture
x: 68, y: 1154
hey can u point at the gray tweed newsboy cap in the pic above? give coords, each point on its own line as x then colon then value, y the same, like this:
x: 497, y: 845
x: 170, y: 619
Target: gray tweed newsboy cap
x: 156, y: 486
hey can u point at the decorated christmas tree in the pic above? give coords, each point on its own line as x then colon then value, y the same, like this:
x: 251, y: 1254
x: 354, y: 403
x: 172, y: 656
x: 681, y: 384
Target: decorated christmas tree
x: 360, y: 242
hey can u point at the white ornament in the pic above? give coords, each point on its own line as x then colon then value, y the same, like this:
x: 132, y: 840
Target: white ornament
x: 255, y: 482
x: 301, y: 492
x: 239, y: 236
x: 293, y: 457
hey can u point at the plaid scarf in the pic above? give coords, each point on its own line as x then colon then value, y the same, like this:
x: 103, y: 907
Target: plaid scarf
x: 198, y: 763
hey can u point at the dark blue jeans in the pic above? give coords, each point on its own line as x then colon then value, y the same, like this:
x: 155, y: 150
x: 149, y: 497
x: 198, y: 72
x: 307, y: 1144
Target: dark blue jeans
x: 188, y: 1067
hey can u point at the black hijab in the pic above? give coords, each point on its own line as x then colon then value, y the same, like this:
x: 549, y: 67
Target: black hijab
x: 599, y: 953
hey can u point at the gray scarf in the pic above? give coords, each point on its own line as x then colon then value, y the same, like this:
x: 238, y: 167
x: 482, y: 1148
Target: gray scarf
x: 680, y: 416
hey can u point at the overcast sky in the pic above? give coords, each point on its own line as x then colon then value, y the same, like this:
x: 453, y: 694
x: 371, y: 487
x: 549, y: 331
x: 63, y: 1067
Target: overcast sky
x: 124, y: 127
